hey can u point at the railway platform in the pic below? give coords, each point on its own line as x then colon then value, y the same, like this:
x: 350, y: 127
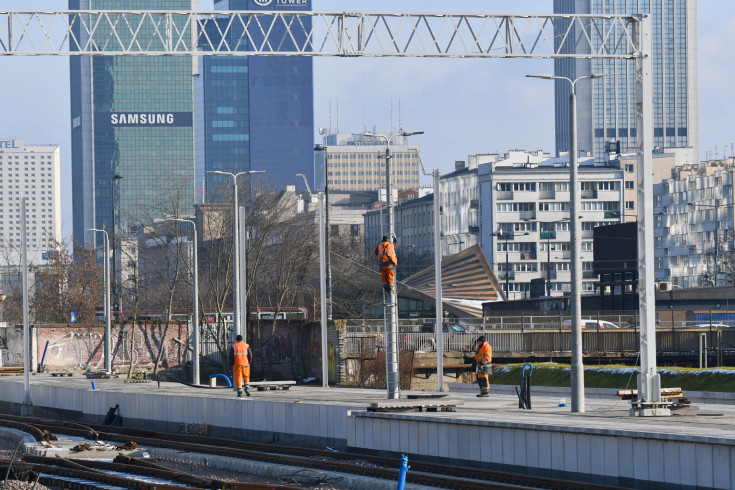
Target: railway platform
x: 693, y: 448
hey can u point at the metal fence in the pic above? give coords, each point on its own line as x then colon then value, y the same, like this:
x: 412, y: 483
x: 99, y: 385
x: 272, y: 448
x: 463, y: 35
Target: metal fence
x: 512, y: 341
x: 550, y: 321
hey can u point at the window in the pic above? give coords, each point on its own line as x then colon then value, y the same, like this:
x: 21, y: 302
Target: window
x: 629, y: 184
x: 629, y: 205
x: 629, y: 168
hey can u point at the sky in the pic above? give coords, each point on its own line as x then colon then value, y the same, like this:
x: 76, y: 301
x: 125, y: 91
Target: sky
x: 464, y: 106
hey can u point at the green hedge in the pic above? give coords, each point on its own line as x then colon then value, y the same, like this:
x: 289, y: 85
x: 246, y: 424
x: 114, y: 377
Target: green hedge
x: 618, y: 377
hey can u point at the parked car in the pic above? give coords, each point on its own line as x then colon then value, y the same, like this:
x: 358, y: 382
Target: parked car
x: 454, y: 338
x: 588, y: 323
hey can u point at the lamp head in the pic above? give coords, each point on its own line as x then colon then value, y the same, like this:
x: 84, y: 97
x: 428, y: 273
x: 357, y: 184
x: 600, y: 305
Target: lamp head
x: 116, y: 177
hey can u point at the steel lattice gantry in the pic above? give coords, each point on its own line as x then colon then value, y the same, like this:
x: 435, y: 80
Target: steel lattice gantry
x: 244, y: 33
x: 347, y: 34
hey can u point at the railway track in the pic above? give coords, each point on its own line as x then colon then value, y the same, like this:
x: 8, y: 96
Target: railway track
x: 421, y: 473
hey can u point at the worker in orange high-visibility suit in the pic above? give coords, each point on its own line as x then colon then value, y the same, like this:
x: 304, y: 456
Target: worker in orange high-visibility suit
x: 388, y: 260
x: 241, y: 357
x: 483, y: 365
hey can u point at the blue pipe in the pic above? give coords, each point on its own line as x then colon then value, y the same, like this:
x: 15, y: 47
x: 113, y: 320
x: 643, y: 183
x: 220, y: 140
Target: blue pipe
x: 94, y: 386
x: 226, y: 378
x: 43, y: 358
x: 402, y: 473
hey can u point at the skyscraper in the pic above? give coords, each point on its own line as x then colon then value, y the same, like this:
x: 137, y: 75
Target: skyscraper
x: 131, y: 117
x: 606, y: 106
x: 254, y: 113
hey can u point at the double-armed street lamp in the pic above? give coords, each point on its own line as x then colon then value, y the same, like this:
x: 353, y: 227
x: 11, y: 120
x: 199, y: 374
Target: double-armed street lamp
x: 392, y: 381
x: 236, y: 306
x: 108, y: 313
x: 577, y: 373
x: 195, y: 299
x: 716, y: 207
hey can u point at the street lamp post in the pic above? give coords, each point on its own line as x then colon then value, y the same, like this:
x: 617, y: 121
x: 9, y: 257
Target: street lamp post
x: 716, y: 207
x: 115, y: 296
x: 392, y: 381
x: 577, y: 374
x: 236, y: 327
x: 195, y: 299
x: 108, y: 313
x: 327, y: 232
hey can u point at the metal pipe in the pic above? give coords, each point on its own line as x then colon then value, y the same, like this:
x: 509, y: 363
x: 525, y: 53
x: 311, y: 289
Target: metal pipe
x: 438, y: 285
x: 108, y: 310
x: 323, y: 293
x: 27, y: 403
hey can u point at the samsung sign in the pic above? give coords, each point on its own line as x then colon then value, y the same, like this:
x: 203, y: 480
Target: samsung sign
x: 145, y: 119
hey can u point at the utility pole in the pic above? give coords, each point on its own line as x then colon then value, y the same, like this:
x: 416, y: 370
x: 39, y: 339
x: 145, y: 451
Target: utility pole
x: 392, y: 381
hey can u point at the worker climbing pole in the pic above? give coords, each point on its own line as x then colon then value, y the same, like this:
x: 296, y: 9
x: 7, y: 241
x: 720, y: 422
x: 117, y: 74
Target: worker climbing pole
x: 387, y: 259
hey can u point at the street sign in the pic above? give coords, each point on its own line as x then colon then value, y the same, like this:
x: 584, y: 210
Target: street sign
x: 73, y: 317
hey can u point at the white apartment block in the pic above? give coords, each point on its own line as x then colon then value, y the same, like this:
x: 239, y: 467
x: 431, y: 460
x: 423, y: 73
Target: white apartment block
x: 357, y: 163
x: 693, y: 217
x: 524, y: 217
x: 414, y: 218
x: 30, y: 171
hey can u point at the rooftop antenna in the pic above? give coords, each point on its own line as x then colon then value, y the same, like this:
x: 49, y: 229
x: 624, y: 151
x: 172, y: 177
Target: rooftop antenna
x: 391, y: 115
x: 337, y: 115
x: 330, y: 116
x: 400, y: 123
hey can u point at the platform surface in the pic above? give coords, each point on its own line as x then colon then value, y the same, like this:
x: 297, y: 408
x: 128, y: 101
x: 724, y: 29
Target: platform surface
x: 715, y: 420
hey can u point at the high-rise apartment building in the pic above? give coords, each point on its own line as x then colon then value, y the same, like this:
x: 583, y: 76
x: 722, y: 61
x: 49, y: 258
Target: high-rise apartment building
x: 131, y: 116
x: 30, y: 171
x: 254, y: 113
x: 606, y: 106
x: 693, y: 225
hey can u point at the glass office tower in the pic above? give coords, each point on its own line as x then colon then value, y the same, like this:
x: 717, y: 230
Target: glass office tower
x: 254, y: 113
x: 131, y: 116
x: 606, y: 106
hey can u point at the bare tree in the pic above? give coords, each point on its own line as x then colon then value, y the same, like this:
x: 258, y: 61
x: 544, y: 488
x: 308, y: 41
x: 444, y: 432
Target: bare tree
x: 68, y: 282
x: 162, y: 256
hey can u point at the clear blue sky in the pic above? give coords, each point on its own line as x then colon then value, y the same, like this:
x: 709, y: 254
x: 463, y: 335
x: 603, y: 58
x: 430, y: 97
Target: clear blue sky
x: 464, y: 106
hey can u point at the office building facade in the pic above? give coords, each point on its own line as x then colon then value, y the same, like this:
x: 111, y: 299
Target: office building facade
x: 30, y: 171
x: 354, y: 162
x: 253, y: 113
x: 131, y: 116
x: 606, y: 107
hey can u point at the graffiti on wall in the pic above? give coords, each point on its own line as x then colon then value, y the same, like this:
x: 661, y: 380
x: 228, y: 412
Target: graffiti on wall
x: 278, y: 348
x: 83, y: 347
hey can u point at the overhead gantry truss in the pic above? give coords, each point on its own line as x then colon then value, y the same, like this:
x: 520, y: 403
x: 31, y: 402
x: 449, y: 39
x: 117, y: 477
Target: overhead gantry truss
x: 247, y: 33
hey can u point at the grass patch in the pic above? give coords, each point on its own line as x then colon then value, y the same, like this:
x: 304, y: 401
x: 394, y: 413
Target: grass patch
x: 618, y: 377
